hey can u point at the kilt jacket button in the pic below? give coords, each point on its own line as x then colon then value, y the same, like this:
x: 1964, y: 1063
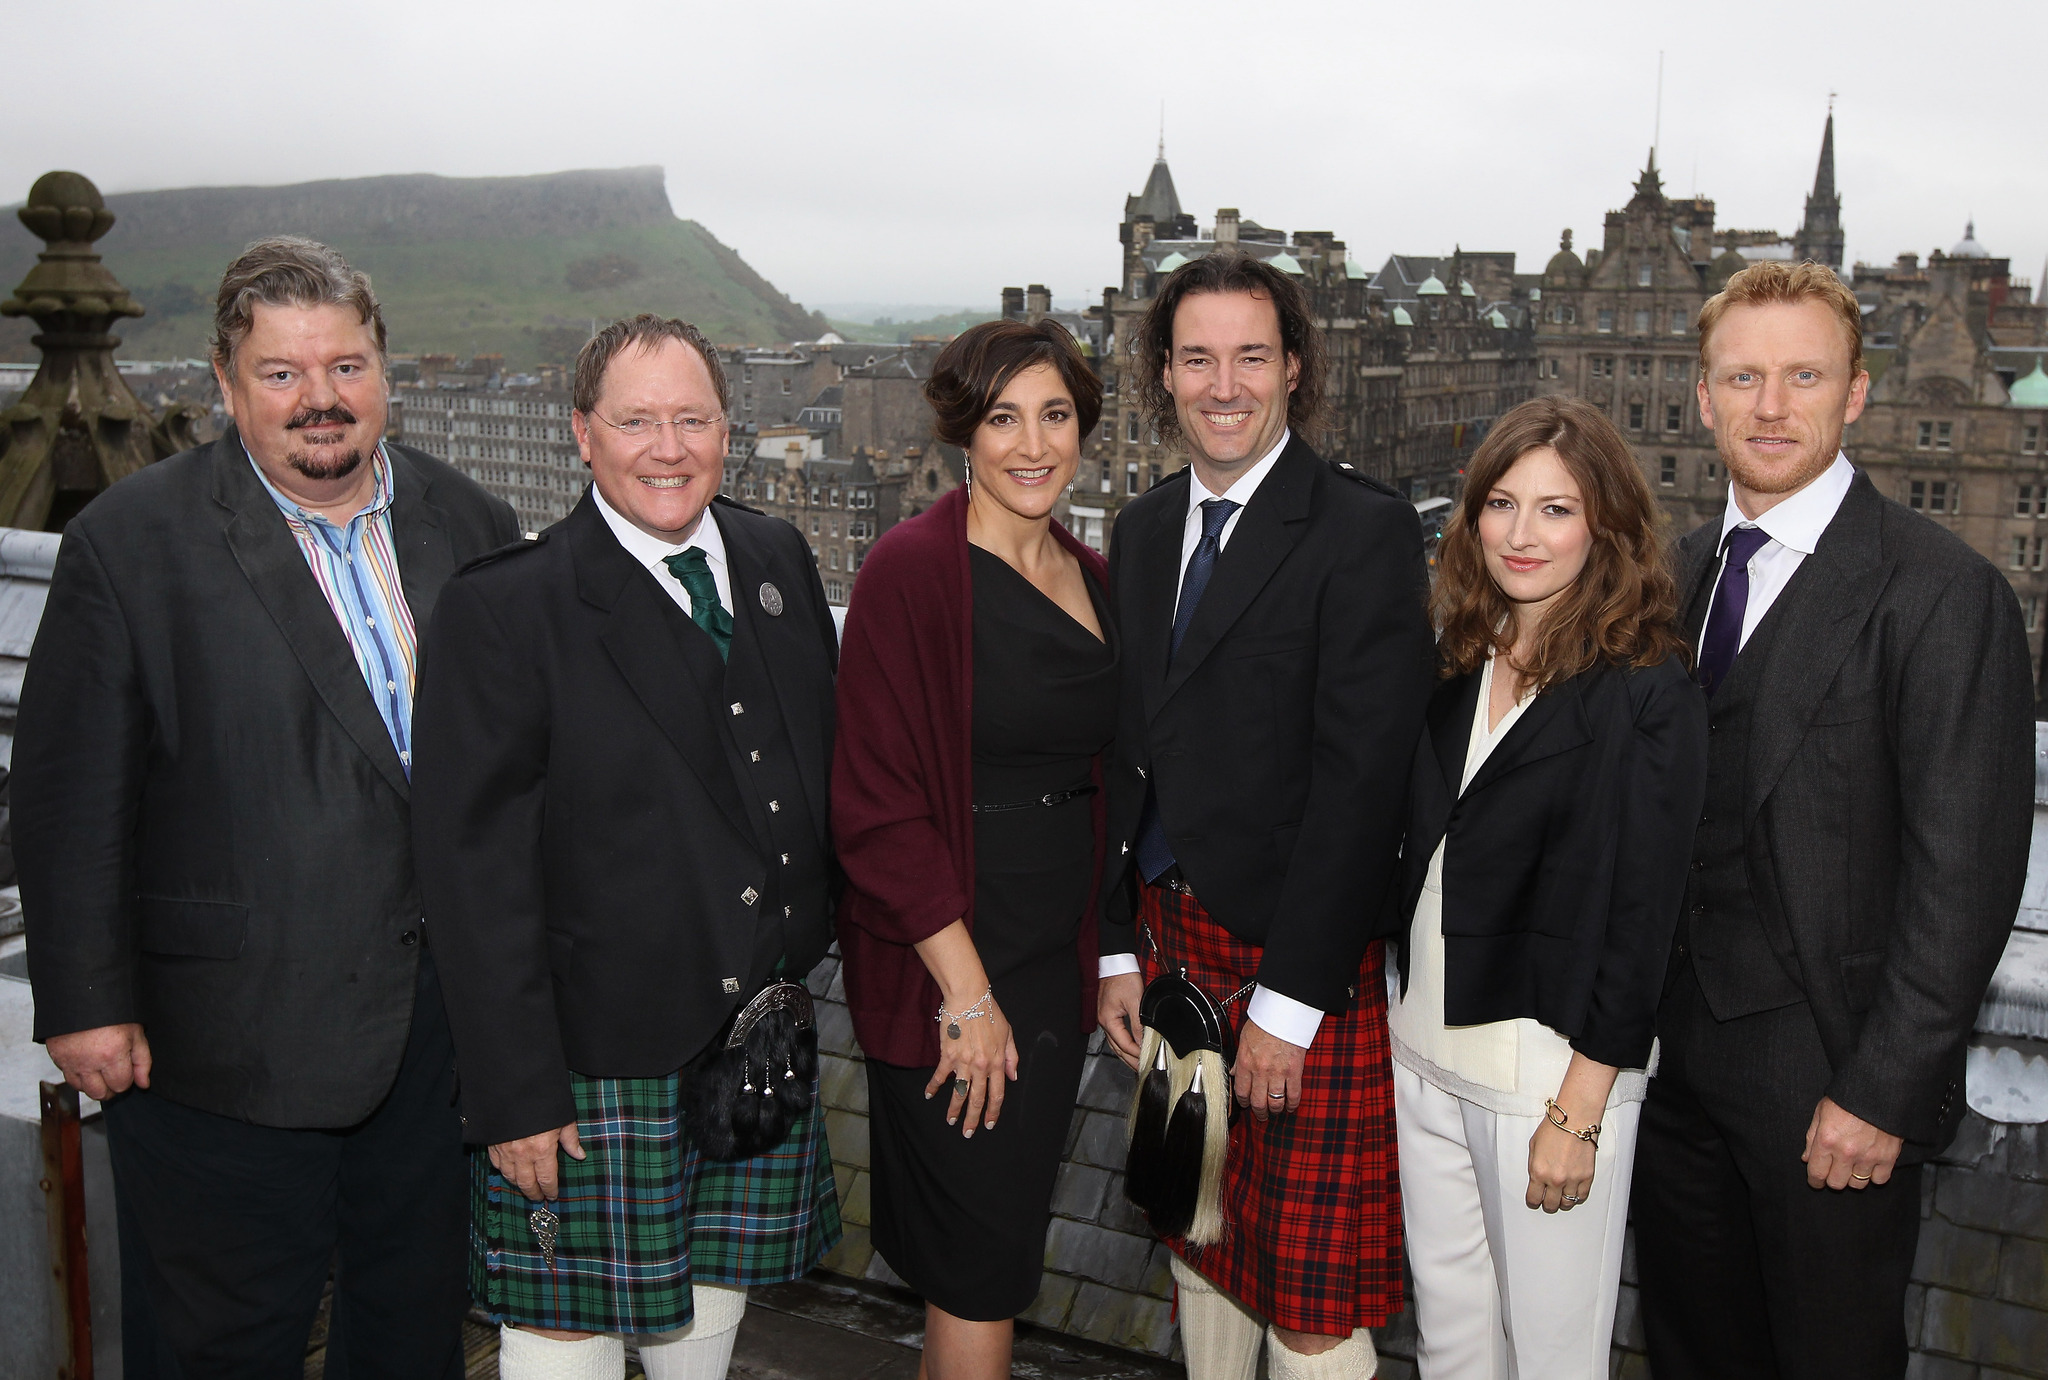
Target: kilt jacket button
x: 1125, y: 847
x: 731, y: 985
x: 750, y: 896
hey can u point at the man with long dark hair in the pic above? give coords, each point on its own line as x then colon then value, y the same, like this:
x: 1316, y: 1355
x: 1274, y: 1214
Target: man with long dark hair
x: 1276, y: 668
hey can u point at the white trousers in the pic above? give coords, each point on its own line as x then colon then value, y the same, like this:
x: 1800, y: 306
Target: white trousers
x: 1504, y: 1291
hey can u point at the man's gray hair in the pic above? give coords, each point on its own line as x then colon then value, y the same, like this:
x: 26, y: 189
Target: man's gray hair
x: 288, y: 271
x: 646, y: 332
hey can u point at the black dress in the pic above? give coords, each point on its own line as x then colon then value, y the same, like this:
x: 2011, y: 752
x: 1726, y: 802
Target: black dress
x: 963, y: 1221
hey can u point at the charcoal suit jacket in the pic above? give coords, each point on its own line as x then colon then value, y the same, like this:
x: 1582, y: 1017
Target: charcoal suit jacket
x: 596, y: 876
x: 1887, y: 798
x: 1279, y: 737
x: 211, y: 822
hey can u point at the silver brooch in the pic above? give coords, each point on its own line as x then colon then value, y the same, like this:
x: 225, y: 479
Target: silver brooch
x: 771, y: 599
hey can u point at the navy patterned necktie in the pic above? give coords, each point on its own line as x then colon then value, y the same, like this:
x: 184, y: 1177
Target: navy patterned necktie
x: 1215, y: 513
x: 1722, y: 637
x: 1155, y: 854
x: 693, y: 569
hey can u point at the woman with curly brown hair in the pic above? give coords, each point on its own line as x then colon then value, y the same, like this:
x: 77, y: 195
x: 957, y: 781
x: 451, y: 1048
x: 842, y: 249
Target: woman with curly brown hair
x: 1553, y: 805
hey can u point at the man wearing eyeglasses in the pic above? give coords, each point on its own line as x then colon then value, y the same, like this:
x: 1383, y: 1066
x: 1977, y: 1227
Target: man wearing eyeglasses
x: 624, y: 727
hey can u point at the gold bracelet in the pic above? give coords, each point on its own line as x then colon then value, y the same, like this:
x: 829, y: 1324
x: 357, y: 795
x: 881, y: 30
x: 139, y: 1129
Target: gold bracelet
x: 1555, y: 1115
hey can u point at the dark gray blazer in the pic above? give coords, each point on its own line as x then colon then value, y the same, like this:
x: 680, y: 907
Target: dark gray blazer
x: 211, y: 822
x: 1888, y: 798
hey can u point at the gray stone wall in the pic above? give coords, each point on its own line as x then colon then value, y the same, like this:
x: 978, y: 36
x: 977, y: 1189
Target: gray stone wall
x: 1977, y: 1309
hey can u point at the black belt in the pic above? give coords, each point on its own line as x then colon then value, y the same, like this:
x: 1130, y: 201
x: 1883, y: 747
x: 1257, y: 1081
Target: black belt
x: 1049, y: 798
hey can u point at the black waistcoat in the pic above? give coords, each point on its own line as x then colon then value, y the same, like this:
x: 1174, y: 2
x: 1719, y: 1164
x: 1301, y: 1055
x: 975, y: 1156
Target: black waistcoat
x: 1719, y: 932
x: 796, y: 918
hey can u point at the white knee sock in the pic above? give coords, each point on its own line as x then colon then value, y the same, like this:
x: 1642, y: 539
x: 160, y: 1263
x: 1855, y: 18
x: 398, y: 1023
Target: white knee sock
x: 1354, y: 1358
x: 1220, y: 1335
x: 703, y: 1350
x: 524, y: 1355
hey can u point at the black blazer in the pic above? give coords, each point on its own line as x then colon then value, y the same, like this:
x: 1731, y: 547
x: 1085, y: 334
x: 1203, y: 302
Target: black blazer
x: 1564, y: 861
x: 1888, y: 798
x: 1280, y: 737
x: 210, y: 819
x: 594, y: 878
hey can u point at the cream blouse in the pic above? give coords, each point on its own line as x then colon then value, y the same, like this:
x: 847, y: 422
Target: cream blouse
x: 1508, y: 1067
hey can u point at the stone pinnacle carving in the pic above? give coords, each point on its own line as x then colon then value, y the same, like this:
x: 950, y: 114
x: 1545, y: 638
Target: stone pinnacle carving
x: 78, y: 428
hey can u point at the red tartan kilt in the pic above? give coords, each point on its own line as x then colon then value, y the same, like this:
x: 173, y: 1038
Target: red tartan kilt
x: 1311, y: 1198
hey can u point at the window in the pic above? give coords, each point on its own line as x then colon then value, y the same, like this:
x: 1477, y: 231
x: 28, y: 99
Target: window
x: 1667, y: 471
x: 747, y: 374
x: 2019, y: 553
x: 2033, y: 606
x: 832, y: 528
x: 1635, y: 416
x: 1601, y: 366
x: 1152, y: 477
x: 835, y: 592
x: 1131, y: 476
x: 2030, y: 439
x: 1930, y: 496
x: 1108, y: 430
x: 1639, y: 368
x: 1674, y: 370
x: 1674, y: 416
x: 814, y: 527
x: 785, y: 385
x: 1679, y: 321
x: 1643, y: 321
x: 1925, y: 440
x: 1556, y: 368
x: 2023, y: 506
x: 1131, y: 430
x: 2035, y: 563
x: 1944, y: 432
x: 1571, y: 315
x: 1710, y: 470
x: 1646, y: 274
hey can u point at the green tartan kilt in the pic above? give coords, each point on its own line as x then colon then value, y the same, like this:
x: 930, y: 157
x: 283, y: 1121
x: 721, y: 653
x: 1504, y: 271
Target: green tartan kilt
x: 644, y: 1214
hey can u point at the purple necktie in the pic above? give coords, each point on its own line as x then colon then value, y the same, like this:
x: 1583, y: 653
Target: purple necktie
x: 1722, y: 637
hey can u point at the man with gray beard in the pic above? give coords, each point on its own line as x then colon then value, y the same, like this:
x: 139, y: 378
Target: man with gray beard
x: 212, y: 777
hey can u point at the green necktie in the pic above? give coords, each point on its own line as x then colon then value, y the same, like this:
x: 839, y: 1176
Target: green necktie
x: 695, y: 572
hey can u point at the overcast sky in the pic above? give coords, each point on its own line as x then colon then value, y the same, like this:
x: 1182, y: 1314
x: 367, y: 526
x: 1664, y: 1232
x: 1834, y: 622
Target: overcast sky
x: 933, y: 153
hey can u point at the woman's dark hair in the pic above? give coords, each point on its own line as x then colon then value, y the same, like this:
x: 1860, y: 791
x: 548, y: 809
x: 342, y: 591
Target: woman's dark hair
x: 971, y: 373
x: 1229, y: 271
x: 1623, y: 608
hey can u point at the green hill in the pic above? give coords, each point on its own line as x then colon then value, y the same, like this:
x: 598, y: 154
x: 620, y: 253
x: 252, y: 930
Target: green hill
x: 518, y: 266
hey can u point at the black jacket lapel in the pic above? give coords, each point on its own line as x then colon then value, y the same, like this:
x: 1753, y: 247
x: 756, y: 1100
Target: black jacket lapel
x: 1696, y: 566
x: 419, y: 538
x: 1451, y: 709
x: 1266, y: 531
x: 276, y: 569
x: 1825, y: 607
x: 681, y: 695
x: 1157, y: 576
x: 1554, y: 722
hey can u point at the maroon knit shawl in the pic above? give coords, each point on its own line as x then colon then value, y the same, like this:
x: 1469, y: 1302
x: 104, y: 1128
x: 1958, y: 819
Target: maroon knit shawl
x: 903, y: 778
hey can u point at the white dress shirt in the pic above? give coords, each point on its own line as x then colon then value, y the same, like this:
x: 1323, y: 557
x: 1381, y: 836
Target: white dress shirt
x: 1794, y: 526
x: 1290, y: 1020
x: 652, y: 551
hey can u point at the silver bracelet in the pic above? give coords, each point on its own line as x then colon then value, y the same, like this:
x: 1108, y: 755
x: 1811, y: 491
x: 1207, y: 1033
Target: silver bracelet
x: 953, y: 1019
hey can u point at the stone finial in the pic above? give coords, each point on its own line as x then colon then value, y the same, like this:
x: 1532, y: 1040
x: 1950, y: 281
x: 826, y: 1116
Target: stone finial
x: 77, y: 428
x: 1564, y: 242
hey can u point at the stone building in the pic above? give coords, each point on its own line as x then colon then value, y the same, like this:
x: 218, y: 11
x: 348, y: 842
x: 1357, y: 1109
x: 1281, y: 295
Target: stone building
x: 513, y: 438
x: 1617, y: 329
x: 1469, y: 354
x: 1953, y: 428
x: 839, y: 505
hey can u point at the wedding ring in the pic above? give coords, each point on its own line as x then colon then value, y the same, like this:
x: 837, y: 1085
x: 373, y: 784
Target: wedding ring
x: 1570, y: 1198
x: 1279, y: 1095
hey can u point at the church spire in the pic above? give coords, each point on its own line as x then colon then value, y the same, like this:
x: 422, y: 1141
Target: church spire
x: 1820, y: 232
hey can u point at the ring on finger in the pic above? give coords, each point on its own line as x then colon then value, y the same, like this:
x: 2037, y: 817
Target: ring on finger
x: 1571, y: 1198
x: 1854, y: 1175
x: 1280, y: 1096
x: 961, y: 1085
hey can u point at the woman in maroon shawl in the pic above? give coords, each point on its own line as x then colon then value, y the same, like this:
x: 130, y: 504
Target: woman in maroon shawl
x: 977, y: 691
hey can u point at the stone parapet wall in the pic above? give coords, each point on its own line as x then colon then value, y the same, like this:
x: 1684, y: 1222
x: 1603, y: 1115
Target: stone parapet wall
x: 1977, y: 1308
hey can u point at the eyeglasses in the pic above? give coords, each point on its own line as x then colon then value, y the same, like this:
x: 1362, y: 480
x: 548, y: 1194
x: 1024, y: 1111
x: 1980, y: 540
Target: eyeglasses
x: 643, y: 430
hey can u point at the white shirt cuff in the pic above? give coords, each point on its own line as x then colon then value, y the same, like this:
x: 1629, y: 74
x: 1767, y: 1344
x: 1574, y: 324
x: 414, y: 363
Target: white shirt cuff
x: 1284, y: 1017
x: 1115, y: 965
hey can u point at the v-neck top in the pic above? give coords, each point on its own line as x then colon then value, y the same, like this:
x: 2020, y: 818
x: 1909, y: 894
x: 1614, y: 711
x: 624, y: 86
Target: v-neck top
x: 1507, y: 1067
x: 1044, y: 706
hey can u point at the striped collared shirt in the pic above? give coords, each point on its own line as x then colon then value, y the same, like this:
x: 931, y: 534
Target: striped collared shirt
x: 356, y: 567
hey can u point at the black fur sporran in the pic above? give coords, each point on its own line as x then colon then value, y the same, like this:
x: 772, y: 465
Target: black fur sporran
x: 742, y: 1095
